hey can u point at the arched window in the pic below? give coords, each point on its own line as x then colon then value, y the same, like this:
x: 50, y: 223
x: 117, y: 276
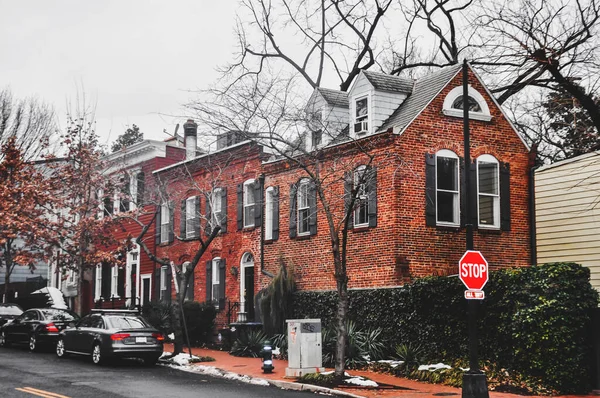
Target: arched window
x: 454, y: 104
x: 249, y: 203
x: 447, y: 188
x: 488, y: 191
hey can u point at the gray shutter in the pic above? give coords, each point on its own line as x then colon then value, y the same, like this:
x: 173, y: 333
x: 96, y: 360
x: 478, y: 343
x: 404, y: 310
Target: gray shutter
x: 240, y: 207
x: 430, y: 205
x: 258, y: 204
x: 222, y: 284
x: 140, y: 188
x: 463, y: 191
x: 474, y: 197
x: 106, y: 280
x: 505, y: 196
x: 197, y: 217
x: 208, y: 213
x: 293, y: 204
x: 182, y: 221
x: 348, y: 185
x: 157, y: 284
x: 275, y: 213
x: 121, y: 283
x: 208, y: 281
x: 372, y: 195
x: 157, y: 225
x: 223, y: 220
x: 171, y: 222
x: 190, y: 287
x: 312, y: 204
x: 169, y: 284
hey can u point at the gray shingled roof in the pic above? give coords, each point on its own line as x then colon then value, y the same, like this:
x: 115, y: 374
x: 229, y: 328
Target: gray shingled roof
x: 424, y: 91
x: 334, y: 97
x: 385, y: 82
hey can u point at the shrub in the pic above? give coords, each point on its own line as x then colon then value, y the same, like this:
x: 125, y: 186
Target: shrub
x: 159, y: 315
x: 280, y: 341
x: 200, y: 320
x: 276, y: 299
x: 361, y: 346
x: 318, y: 379
x: 248, y: 344
x: 411, y: 354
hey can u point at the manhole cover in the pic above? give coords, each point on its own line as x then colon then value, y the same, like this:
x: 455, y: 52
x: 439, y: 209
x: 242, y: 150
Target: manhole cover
x: 444, y: 394
x: 239, y: 366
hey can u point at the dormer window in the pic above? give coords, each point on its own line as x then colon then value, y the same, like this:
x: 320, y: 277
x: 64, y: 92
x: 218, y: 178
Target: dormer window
x: 317, y: 139
x: 361, y: 116
x: 478, y: 108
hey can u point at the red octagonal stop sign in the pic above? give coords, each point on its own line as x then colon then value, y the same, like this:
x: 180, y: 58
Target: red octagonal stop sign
x: 473, y: 270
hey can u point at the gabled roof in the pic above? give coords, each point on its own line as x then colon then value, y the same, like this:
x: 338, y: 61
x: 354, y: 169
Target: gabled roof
x: 334, y: 97
x: 385, y: 82
x: 424, y: 91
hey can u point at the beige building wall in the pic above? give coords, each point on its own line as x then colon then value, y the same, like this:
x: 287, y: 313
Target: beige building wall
x: 567, y: 210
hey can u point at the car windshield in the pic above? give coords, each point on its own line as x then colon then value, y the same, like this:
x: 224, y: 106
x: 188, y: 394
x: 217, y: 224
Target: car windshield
x: 127, y: 322
x: 58, y: 315
x: 10, y: 310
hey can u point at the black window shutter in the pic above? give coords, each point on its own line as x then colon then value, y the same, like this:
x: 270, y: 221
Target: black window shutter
x: 209, y: 281
x: 157, y: 284
x: 293, y: 204
x: 463, y: 191
x: 171, y: 222
x: 505, y: 196
x: 430, y: 205
x: 223, y: 220
x: 182, y: 221
x: 372, y: 195
x: 275, y: 213
x: 208, y: 213
x: 348, y: 185
x: 240, y: 207
x: 106, y: 280
x: 474, y: 195
x: 197, y: 217
x: 121, y: 286
x: 157, y: 225
x: 169, y: 284
x: 222, y: 284
x: 258, y: 204
x: 312, y: 204
x: 140, y: 188
x: 190, y: 286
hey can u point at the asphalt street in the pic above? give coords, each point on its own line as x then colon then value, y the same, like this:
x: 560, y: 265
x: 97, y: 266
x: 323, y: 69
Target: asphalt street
x: 24, y: 374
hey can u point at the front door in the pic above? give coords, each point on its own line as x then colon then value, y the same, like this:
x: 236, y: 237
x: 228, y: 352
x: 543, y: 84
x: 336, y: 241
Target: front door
x: 146, y: 288
x: 249, y: 292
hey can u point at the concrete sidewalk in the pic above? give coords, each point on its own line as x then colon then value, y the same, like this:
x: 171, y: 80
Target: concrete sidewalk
x: 390, y: 386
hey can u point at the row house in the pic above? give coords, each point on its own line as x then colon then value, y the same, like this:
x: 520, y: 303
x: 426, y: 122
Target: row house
x: 396, y: 141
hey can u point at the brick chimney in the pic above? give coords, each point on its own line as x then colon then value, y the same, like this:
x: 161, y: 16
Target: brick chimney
x: 190, y: 134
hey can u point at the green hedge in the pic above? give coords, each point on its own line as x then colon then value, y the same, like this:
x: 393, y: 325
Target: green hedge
x: 534, y: 321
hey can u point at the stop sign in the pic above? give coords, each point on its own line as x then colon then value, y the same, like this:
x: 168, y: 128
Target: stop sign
x: 473, y: 270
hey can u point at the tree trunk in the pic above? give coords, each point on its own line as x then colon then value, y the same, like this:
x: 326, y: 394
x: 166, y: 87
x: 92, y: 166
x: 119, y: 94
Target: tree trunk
x: 342, y: 289
x: 178, y: 327
x: 79, y: 297
x: 8, y: 264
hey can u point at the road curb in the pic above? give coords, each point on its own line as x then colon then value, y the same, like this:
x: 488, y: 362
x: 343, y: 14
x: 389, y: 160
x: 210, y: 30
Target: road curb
x: 290, y: 385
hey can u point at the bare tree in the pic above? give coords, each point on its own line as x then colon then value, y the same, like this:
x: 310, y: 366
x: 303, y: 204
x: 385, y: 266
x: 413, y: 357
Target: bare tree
x: 29, y: 120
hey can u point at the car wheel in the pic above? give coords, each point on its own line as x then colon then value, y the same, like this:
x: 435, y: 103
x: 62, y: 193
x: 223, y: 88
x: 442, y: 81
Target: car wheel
x: 3, y: 341
x: 60, y: 348
x: 33, y: 344
x: 97, y: 357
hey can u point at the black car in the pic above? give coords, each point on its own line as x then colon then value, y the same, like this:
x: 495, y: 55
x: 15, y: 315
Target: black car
x: 106, y: 334
x: 37, y: 326
x: 9, y: 311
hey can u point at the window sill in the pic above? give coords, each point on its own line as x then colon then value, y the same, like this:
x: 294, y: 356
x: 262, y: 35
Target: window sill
x: 249, y: 228
x: 448, y: 227
x: 270, y: 241
x: 361, y: 228
x: 189, y: 239
x: 302, y: 237
x: 489, y: 230
x: 163, y: 244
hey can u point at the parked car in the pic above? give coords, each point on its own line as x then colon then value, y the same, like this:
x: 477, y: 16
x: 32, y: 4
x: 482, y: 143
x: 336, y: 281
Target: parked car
x: 37, y: 326
x: 106, y: 334
x: 9, y: 312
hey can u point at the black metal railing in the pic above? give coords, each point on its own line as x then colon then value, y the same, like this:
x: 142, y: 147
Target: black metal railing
x: 236, y: 313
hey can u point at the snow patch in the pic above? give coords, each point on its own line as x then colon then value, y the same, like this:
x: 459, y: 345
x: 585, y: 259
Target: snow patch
x: 434, y: 367
x: 360, y: 381
x: 391, y: 362
x: 55, y: 297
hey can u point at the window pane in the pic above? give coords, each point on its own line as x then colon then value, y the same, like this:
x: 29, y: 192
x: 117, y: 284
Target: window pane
x: 447, y: 174
x: 249, y: 194
x: 488, y: 178
x: 446, y: 207
x: 303, y: 216
x: 473, y: 104
x: 269, y: 215
x: 486, y: 210
x: 249, y: 216
x: 216, y: 201
x: 361, y: 214
x: 190, y: 208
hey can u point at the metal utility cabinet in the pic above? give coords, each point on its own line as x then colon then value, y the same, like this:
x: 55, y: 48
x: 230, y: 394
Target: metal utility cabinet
x: 304, y: 347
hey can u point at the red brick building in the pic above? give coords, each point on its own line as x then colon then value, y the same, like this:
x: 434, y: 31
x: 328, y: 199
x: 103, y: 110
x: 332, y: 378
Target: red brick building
x: 407, y: 137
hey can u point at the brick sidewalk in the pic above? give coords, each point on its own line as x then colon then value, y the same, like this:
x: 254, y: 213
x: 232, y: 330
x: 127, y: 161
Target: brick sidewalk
x: 394, y: 386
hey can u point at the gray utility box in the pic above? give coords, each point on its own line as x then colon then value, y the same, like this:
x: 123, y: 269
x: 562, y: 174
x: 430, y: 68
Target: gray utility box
x: 305, y: 354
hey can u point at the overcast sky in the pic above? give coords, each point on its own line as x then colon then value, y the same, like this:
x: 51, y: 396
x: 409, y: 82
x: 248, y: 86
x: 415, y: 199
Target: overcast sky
x: 134, y: 59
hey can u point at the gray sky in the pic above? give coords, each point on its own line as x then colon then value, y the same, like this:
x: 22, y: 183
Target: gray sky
x: 134, y: 59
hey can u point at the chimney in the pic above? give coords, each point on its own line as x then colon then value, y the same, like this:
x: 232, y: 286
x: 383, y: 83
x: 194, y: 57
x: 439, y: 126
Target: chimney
x: 190, y: 134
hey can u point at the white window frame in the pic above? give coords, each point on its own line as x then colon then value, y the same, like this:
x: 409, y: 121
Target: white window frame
x: 98, y: 283
x: 249, y: 206
x: 114, y: 281
x: 100, y: 193
x: 303, y: 206
x: 269, y: 216
x: 163, y: 282
x: 445, y: 153
x: 496, y: 197
x: 216, y: 206
x: 215, y: 281
x: 165, y: 218
x: 362, y: 196
x: 363, y: 118
x: 456, y: 92
x: 190, y: 217
x: 116, y: 203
